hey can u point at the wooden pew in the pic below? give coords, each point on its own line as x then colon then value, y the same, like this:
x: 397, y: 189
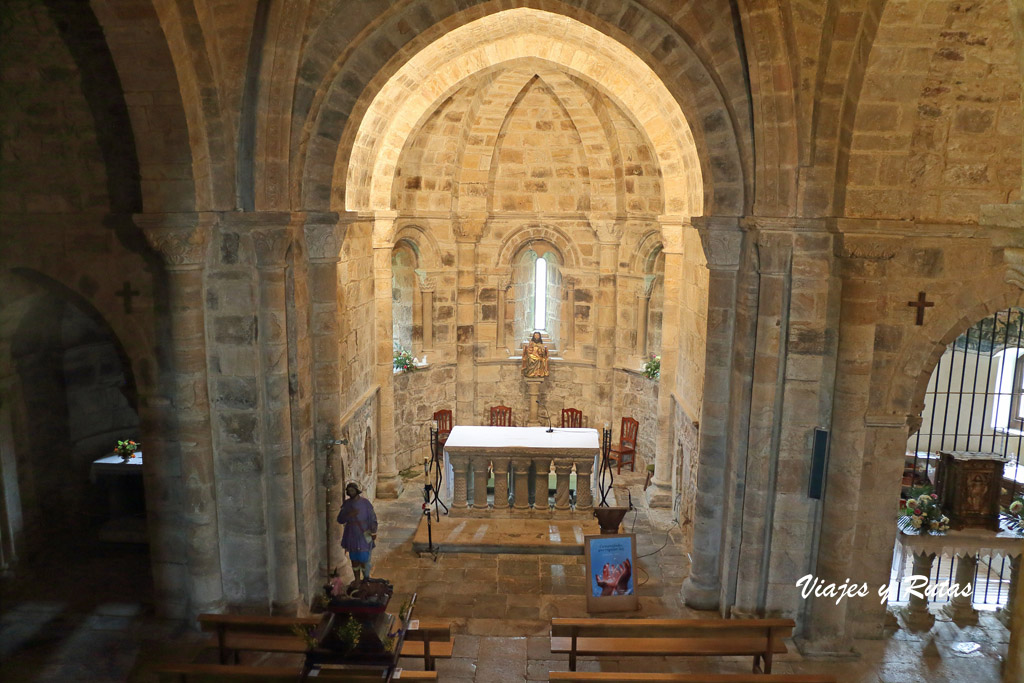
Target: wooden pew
x: 230, y: 673
x: 619, y: 677
x: 235, y: 633
x: 761, y: 638
x: 428, y: 639
x: 213, y: 673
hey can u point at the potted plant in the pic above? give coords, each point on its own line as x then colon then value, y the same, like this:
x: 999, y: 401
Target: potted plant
x: 1013, y: 515
x: 921, y: 513
x: 126, y: 449
x: 652, y: 367
x: 404, y: 360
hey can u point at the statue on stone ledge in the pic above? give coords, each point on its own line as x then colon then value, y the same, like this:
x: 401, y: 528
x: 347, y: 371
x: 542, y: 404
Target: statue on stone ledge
x: 535, y: 357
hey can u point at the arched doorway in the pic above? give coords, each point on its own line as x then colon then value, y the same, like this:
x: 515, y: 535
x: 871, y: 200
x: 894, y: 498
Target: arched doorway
x: 972, y: 403
x: 70, y: 395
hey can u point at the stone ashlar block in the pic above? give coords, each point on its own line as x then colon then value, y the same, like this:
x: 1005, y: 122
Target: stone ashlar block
x: 237, y: 428
x: 239, y: 393
x: 234, y: 329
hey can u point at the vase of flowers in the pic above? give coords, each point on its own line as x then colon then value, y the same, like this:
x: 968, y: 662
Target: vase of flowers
x: 1013, y: 515
x: 921, y: 513
x: 125, y: 449
x: 404, y: 360
x: 652, y: 367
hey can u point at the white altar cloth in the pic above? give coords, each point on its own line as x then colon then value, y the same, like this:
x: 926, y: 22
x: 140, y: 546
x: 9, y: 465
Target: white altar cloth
x: 522, y: 440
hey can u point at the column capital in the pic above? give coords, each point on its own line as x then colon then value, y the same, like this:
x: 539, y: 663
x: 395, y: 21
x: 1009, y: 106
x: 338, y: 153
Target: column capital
x: 609, y: 227
x: 180, y: 238
x: 426, y: 282
x: 324, y: 234
x: 563, y: 466
x: 721, y: 246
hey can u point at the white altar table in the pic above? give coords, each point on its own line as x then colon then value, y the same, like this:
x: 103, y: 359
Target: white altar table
x: 967, y: 545
x: 513, y: 452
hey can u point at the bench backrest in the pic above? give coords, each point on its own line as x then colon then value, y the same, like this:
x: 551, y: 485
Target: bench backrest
x: 209, y: 673
x: 672, y: 628
x: 251, y: 623
x: 620, y: 677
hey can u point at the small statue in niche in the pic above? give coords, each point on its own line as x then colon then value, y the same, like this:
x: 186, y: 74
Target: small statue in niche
x: 535, y: 357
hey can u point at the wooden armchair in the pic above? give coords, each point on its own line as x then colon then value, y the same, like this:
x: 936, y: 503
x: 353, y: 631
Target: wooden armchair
x: 501, y: 416
x: 572, y: 417
x: 443, y: 418
x: 625, y: 452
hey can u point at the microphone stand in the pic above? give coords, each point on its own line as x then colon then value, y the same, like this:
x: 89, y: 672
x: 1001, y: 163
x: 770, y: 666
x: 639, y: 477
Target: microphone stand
x: 548, y: 416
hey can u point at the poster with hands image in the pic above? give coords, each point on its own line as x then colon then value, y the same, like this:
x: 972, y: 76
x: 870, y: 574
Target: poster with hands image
x: 610, y: 562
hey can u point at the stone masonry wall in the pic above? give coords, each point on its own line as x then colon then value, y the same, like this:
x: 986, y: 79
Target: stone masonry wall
x: 684, y: 470
x: 637, y: 397
x: 418, y: 395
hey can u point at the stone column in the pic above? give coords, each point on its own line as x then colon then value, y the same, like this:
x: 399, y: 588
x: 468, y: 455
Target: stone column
x: 1014, y: 667
x: 563, y: 468
x: 389, y: 482
x: 917, y: 615
x: 460, y: 466
x: 480, y: 472
x: 543, y: 469
x: 609, y: 234
x: 659, y: 493
x: 569, y: 317
x: 721, y: 244
x: 584, y: 485
x: 959, y: 607
x: 862, y: 267
x: 501, y: 467
x: 181, y: 241
x: 775, y: 251
x: 521, y: 488
x: 533, y: 397
x: 324, y: 236
x: 643, y: 304
x: 271, y: 242
x: 467, y: 233
x: 1005, y: 614
x: 499, y: 340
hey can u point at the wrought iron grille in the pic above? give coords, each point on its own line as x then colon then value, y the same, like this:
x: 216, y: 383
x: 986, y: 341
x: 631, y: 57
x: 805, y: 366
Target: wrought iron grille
x: 973, y: 404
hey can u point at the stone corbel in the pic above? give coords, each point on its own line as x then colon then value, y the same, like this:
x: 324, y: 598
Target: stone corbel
x: 1014, y: 258
x: 609, y: 228
x: 181, y: 239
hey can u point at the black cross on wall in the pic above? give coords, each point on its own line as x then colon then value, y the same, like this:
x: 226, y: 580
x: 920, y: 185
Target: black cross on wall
x: 920, y: 305
x: 127, y: 293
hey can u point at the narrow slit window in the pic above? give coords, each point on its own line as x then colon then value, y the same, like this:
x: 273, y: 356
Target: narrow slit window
x: 540, y: 289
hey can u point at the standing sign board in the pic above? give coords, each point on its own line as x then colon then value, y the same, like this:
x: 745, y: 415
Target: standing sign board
x: 611, y: 573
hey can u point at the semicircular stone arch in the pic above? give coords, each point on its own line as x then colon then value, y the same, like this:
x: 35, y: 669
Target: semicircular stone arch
x: 715, y: 185
x: 518, y: 240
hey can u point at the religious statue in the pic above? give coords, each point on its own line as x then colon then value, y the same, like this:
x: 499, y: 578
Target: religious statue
x: 535, y: 358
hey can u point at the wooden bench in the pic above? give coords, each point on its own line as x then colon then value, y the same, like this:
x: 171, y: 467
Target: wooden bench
x: 619, y: 677
x: 428, y: 639
x: 761, y: 638
x: 228, y: 673
x: 209, y: 673
x: 235, y: 633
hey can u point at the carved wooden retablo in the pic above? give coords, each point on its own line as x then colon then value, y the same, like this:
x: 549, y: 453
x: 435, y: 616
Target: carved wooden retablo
x: 967, y: 483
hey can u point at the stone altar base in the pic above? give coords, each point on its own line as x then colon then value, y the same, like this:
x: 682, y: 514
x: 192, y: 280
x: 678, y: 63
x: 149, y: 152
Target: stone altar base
x: 518, y: 536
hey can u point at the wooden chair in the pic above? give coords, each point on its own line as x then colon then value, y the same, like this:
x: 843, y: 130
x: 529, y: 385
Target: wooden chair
x: 625, y: 452
x: 444, y: 425
x: 572, y: 417
x: 501, y: 416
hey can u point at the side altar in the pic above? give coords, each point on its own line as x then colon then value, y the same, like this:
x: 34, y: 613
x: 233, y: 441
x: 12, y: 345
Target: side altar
x: 516, y: 455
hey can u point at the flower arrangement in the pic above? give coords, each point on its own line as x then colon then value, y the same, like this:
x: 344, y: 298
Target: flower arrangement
x: 404, y: 360
x: 126, y: 448
x: 1013, y: 515
x: 652, y: 367
x: 922, y: 513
